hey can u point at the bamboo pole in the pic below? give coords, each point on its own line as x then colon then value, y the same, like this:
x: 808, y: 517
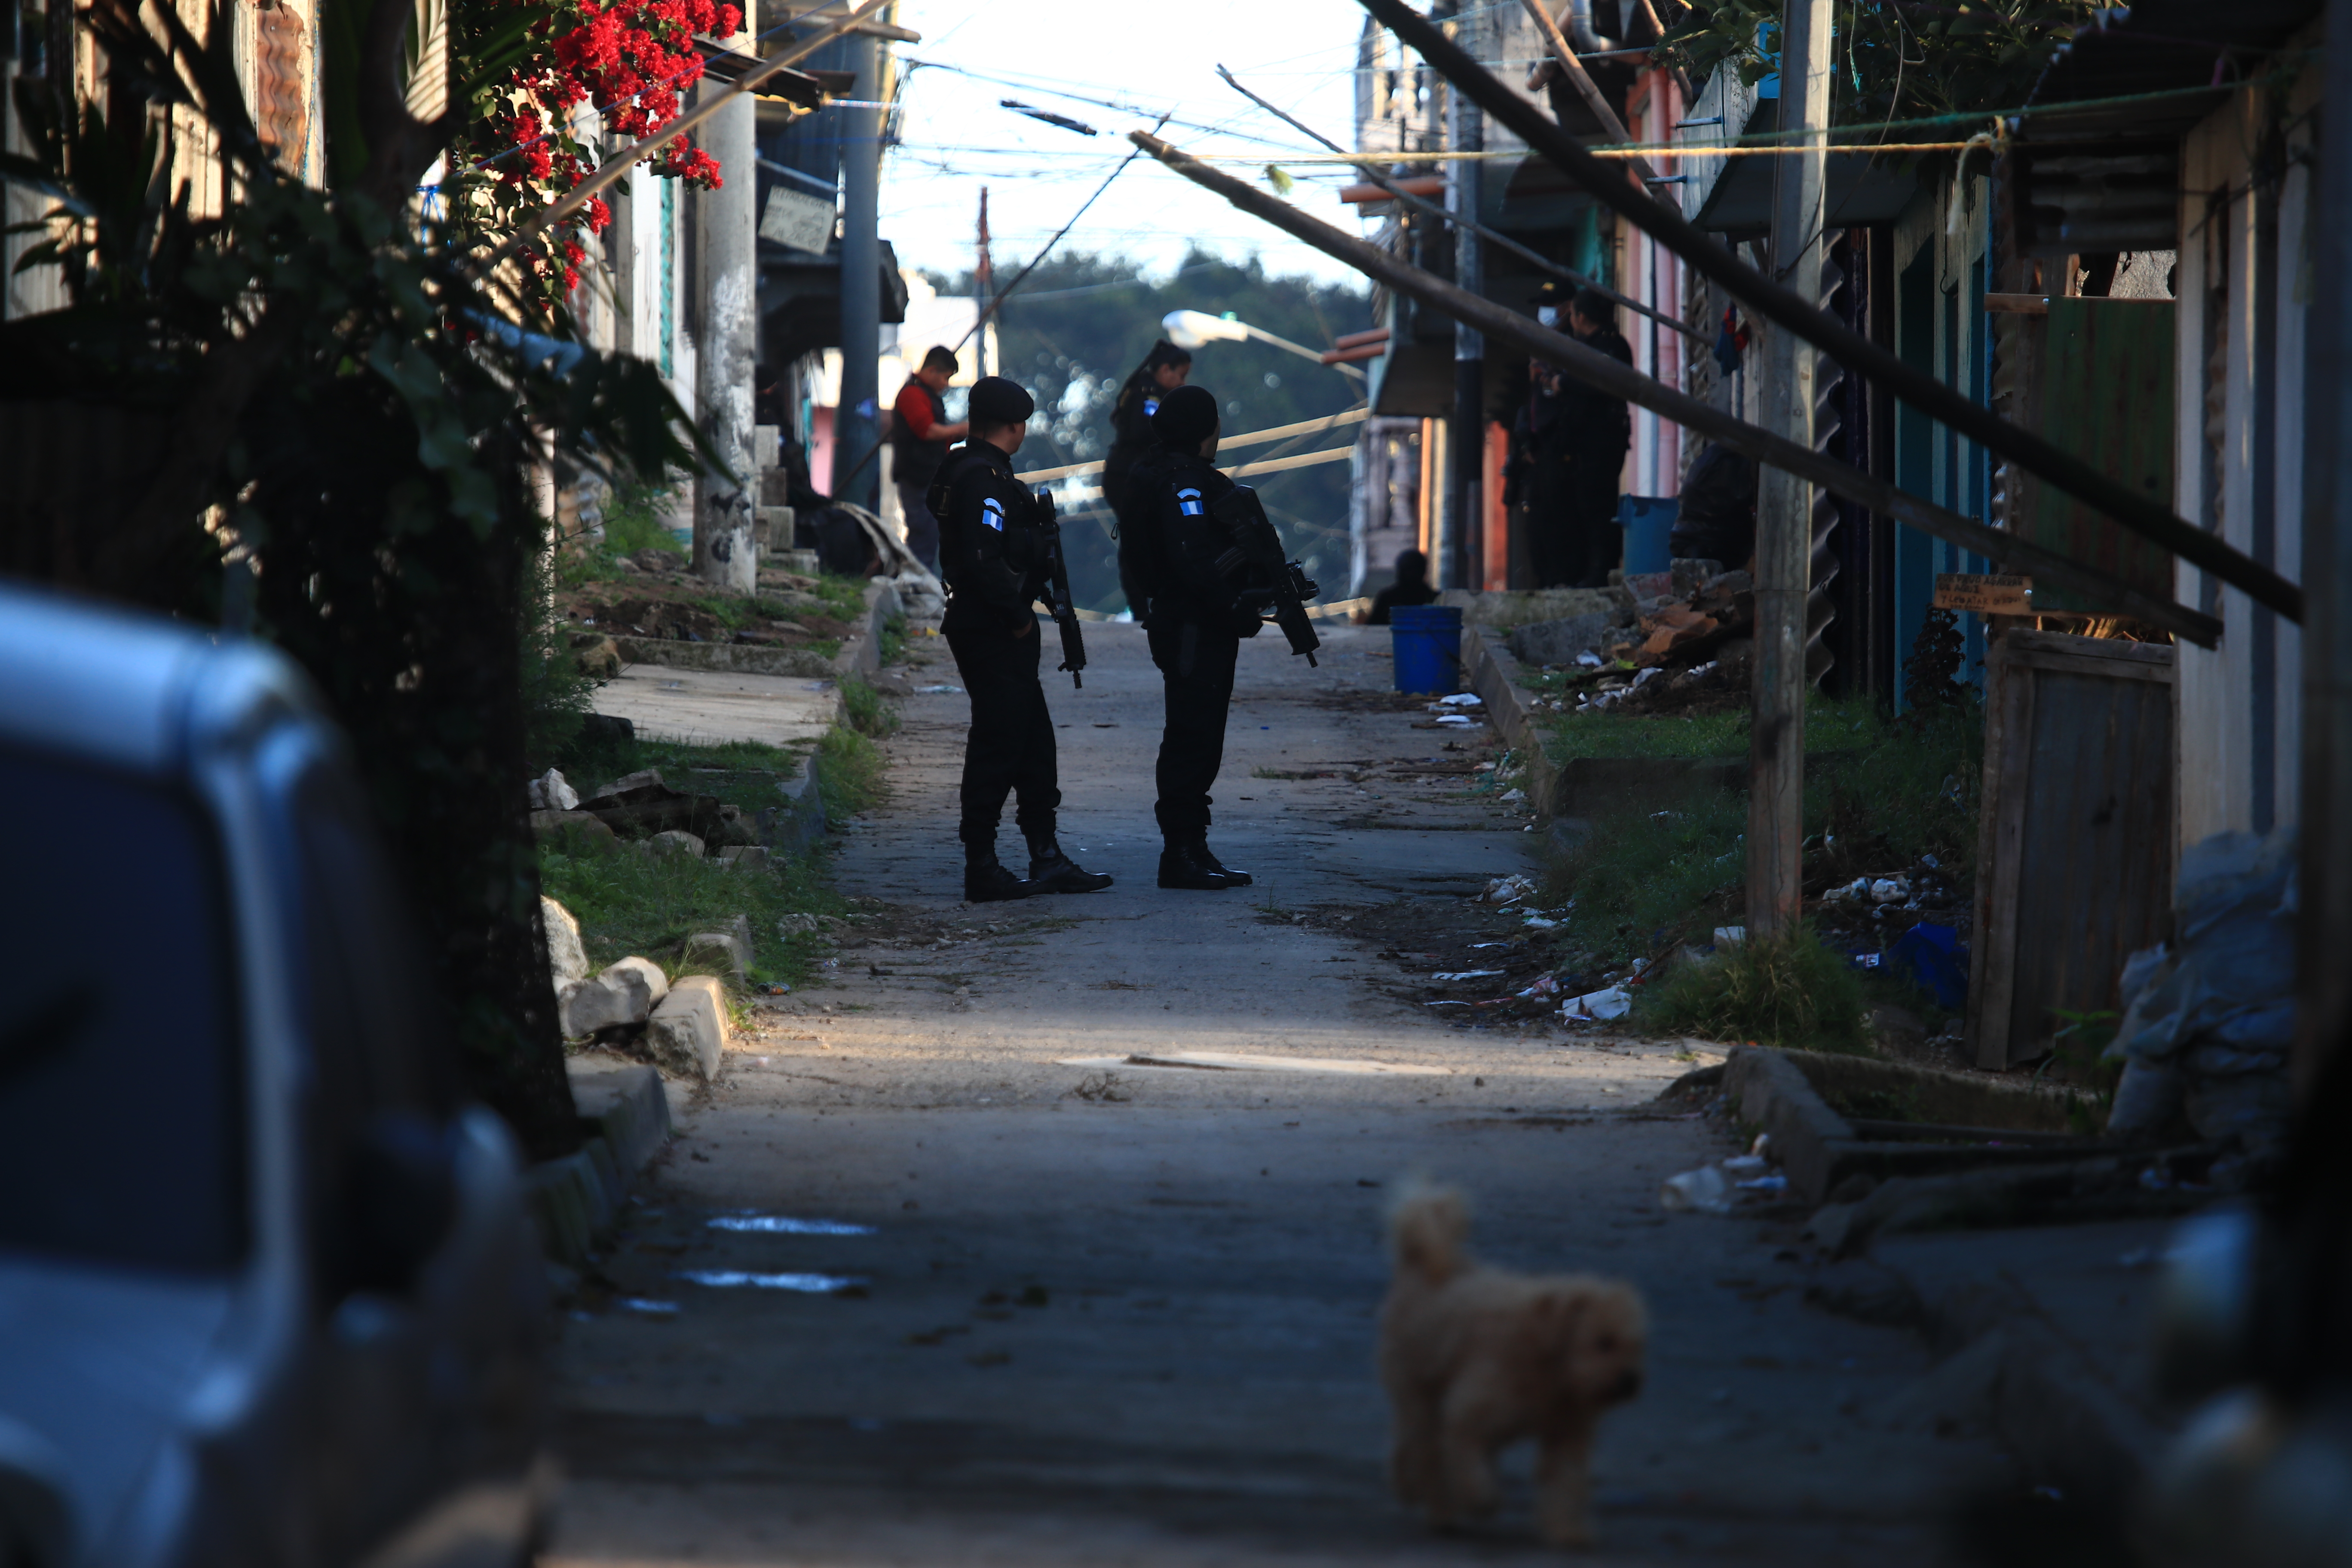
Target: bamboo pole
x: 1622, y: 381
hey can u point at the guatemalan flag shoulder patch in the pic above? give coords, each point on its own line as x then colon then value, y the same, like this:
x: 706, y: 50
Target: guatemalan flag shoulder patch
x: 991, y: 512
x: 1188, y: 501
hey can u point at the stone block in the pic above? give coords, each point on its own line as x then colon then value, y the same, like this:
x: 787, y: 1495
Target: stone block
x: 745, y: 857
x: 566, y: 957
x: 731, y: 948
x: 549, y: 792
x: 551, y: 824
x: 585, y: 1006
x: 641, y: 972
x: 676, y: 841
x: 628, y: 1106
x: 687, y: 1035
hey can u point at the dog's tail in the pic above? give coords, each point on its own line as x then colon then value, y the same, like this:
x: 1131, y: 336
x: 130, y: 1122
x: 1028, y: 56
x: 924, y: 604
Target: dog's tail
x: 1427, y: 1227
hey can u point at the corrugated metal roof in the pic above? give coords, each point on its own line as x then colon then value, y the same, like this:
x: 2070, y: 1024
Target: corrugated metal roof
x: 2158, y: 45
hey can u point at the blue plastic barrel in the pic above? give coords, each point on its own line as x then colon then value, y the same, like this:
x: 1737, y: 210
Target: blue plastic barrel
x: 1428, y: 643
x: 1649, y: 525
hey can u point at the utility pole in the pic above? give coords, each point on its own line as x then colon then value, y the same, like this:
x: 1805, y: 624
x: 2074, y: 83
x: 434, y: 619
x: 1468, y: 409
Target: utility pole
x: 1776, y: 784
x: 725, y: 550
x: 983, y: 283
x: 1465, y: 540
x: 855, y: 425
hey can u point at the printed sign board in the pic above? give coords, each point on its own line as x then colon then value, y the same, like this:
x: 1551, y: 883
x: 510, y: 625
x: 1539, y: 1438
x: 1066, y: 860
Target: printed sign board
x: 1984, y: 594
x: 795, y: 218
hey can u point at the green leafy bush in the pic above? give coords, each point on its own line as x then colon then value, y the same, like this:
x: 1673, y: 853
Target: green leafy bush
x: 1794, y: 993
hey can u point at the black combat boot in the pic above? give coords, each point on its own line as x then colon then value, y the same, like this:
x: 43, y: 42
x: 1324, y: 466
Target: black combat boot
x: 986, y: 882
x: 1187, y: 865
x: 1051, y: 871
x: 1209, y: 859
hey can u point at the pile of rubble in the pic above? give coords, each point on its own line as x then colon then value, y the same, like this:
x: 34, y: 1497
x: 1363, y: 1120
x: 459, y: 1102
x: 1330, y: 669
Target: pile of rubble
x: 1694, y: 613
x: 681, y: 1023
x: 642, y: 811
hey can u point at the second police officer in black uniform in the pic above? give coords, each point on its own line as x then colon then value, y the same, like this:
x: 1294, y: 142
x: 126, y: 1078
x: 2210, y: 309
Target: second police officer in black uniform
x: 993, y: 559
x: 1194, y: 622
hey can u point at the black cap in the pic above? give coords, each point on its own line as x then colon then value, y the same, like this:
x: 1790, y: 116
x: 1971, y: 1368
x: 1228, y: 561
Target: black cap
x: 1186, y: 418
x: 996, y: 401
x: 1552, y: 293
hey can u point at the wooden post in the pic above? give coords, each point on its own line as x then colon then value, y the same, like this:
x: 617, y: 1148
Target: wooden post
x: 1776, y: 788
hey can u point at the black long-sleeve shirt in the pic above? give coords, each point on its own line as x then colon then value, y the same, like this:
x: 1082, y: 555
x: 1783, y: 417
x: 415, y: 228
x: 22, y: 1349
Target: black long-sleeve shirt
x: 992, y: 552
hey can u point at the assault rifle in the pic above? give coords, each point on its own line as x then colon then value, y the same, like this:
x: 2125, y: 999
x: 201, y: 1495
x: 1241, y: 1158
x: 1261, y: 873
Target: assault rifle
x: 1058, y: 591
x: 1254, y: 562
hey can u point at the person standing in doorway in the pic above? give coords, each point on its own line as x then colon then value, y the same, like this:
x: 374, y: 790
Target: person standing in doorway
x: 1163, y: 370
x: 1195, y: 623
x: 994, y: 552
x: 919, y: 437
x: 1597, y: 433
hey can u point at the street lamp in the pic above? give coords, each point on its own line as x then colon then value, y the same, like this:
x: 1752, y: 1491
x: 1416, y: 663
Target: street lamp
x: 1191, y: 329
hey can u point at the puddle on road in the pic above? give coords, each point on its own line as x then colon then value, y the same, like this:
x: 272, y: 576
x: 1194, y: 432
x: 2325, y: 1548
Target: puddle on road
x: 784, y: 1225
x: 735, y: 1278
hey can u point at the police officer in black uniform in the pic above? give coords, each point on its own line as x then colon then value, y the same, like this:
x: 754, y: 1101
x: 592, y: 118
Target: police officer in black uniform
x: 993, y: 555
x: 1194, y: 619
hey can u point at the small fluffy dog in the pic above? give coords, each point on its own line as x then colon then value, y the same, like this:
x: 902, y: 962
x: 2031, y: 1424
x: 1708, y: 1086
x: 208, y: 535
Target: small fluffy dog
x: 1475, y: 1359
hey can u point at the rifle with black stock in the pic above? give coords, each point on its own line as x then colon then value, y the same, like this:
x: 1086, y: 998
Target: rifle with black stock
x: 1058, y: 591
x: 1269, y: 582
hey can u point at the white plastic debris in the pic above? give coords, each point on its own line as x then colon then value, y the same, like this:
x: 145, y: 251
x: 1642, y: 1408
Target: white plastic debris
x: 1537, y: 922
x: 1458, y: 722
x: 1610, y: 1002
x: 1513, y: 796
x: 1459, y: 700
x: 1889, y: 890
x: 1698, y: 669
x: 1644, y: 676
x: 940, y: 690
x: 1730, y: 936
x: 1509, y: 889
x: 1703, y: 1190
x: 1589, y: 659
x: 1450, y: 975
x: 1852, y: 892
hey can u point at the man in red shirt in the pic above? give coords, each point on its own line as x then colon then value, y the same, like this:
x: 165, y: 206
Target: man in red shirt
x: 920, y: 435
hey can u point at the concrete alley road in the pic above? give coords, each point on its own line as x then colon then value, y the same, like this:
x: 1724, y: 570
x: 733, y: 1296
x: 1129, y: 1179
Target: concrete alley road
x: 1109, y: 1312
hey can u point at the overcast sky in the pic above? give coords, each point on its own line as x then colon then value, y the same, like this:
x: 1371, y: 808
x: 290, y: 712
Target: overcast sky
x: 1152, y: 59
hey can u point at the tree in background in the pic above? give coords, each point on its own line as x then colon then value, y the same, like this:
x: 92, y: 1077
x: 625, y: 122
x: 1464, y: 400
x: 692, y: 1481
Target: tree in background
x: 1082, y: 323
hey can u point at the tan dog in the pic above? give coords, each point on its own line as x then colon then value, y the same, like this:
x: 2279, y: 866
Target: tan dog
x: 1475, y: 1359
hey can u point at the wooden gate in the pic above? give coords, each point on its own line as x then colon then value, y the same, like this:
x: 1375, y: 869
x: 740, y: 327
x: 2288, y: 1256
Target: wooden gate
x: 2075, y: 855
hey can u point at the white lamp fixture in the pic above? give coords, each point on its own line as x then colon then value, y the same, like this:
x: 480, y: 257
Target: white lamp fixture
x: 1190, y: 330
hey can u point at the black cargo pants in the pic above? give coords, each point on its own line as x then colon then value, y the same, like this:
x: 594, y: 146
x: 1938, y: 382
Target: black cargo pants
x: 1010, y: 750
x: 1196, y: 670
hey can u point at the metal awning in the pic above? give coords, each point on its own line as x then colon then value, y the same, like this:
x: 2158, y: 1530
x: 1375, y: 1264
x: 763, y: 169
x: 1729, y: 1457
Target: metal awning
x: 1859, y: 188
x: 2087, y: 174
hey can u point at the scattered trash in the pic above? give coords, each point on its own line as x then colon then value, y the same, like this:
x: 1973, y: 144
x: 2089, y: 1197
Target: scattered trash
x: 1537, y: 922
x: 646, y: 1305
x: 1730, y: 936
x: 1459, y: 700
x: 1644, y: 676
x: 1548, y: 985
x: 940, y: 690
x: 1703, y: 1190
x: 1866, y: 960
x: 1931, y: 957
x: 774, y: 988
x: 783, y: 1225
x: 733, y: 1278
x: 1889, y: 890
x: 1610, y: 1002
x: 1514, y: 796
x: 1848, y: 893
x: 1453, y: 975
x: 1508, y: 889
x: 1458, y: 721
x: 1590, y: 660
